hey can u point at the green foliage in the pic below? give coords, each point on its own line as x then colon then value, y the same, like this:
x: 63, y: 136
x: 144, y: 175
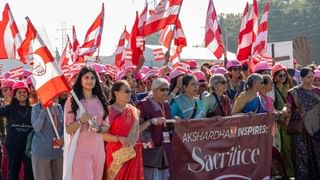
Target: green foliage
x: 287, y: 19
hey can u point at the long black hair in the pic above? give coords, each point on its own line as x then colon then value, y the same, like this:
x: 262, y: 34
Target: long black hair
x: 116, y: 87
x: 15, y: 101
x: 96, y: 91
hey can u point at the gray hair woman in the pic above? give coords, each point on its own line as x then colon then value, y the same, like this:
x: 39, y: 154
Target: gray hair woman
x: 249, y: 100
x: 217, y: 103
x: 155, y: 109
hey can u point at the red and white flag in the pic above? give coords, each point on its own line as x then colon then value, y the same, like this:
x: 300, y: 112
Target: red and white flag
x: 248, y: 35
x: 47, y: 78
x: 127, y: 58
x: 255, y: 18
x: 262, y: 38
x: 158, y: 54
x: 259, y: 57
x: 140, y: 42
x: 176, y: 30
x: 166, y: 12
x: 15, y: 73
x: 166, y: 36
x: 123, y: 41
x: 66, y: 56
x: 127, y: 54
x: 179, y: 36
x: 26, y: 48
x: 75, y: 44
x: 143, y: 19
x: 213, y: 39
x: 137, y: 51
x: 93, y: 36
x: 10, y: 39
x: 66, y: 71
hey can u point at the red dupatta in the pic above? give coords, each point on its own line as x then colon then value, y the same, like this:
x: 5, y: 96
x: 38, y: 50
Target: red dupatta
x: 124, y: 162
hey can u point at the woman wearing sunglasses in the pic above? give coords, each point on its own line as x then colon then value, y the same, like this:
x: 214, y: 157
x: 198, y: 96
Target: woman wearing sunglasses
x: 155, y: 108
x: 236, y: 84
x: 89, y: 156
x: 280, y: 92
x: 216, y: 103
x: 187, y: 105
x: 123, y: 149
x: 249, y: 101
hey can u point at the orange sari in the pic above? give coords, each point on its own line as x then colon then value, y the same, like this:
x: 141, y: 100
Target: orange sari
x: 123, y: 163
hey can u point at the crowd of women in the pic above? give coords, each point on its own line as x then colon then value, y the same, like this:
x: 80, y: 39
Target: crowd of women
x: 128, y: 124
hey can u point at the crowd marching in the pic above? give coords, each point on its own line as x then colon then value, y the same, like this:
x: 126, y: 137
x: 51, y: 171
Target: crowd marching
x: 128, y: 124
x: 119, y: 121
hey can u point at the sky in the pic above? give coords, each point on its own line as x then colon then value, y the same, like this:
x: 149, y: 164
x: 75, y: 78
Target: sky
x: 52, y: 15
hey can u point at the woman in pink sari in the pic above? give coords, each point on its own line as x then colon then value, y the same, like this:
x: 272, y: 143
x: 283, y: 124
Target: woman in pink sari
x: 123, y: 150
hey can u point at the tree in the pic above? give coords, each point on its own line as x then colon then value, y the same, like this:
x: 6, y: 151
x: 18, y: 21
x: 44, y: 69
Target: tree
x: 287, y: 19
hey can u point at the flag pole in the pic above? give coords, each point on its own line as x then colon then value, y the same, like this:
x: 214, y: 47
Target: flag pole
x: 75, y: 97
x: 171, y: 38
x: 53, y: 125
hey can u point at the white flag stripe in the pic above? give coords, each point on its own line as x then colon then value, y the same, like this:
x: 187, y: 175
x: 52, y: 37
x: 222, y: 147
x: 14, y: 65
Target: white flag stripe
x: 173, y: 10
x: 93, y: 34
x: 9, y: 42
x: 52, y: 71
x: 213, y: 45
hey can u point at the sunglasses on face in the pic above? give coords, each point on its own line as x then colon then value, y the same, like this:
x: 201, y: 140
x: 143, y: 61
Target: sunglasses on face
x: 237, y: 69
x: 164, y: 89
x: 128, y: 91
x: 282, y: 75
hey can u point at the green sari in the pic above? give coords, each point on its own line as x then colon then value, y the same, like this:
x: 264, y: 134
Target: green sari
x: 279, y: 103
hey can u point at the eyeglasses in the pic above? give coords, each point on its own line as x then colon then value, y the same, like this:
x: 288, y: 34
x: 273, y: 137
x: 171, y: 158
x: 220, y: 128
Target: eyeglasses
x: 282, y: 75
x: 164, y: 89
x: 128, y: 91
x: 237, y: 69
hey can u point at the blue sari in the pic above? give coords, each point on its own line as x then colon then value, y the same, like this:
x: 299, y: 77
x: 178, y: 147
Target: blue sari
x: 254, y: 105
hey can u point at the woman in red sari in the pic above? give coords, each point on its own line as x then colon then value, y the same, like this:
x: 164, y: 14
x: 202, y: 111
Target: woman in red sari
x: 123, y: 150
